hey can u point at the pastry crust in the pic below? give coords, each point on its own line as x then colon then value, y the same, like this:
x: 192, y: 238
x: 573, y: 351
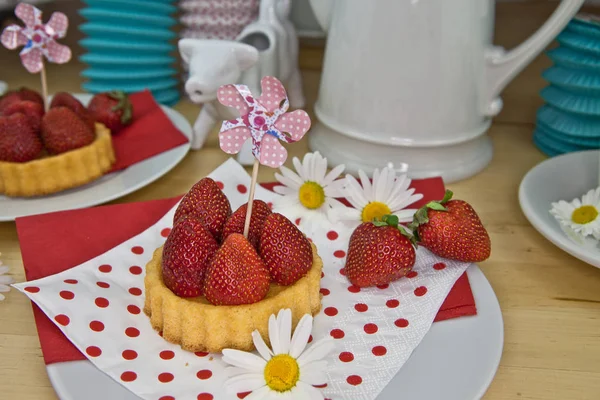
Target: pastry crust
x: 53, y: 174
x: 197, y: 325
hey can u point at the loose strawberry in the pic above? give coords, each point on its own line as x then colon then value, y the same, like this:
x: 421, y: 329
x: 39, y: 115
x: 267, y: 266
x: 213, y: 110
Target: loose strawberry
x: 63, y: 130
x: 208, y: 203
x: 22, y: 94
x: 235, y: 222
x: 236, y: 275
x: 287, y: 253
x: 379, y: 252
x: 32, y: 110
x: 186, y: 255
x: 19, y: 142
x: 452, y: 229
x: 64, y: 99
x: 113, y: 109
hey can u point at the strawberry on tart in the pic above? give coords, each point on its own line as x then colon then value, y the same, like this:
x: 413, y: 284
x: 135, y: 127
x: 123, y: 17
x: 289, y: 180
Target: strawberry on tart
x: 47, y: 152
x: 209, y: 287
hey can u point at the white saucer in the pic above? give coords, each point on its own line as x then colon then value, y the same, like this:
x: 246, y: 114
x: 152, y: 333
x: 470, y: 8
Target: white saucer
x: 107, y: 188
x: 456, y: 360
x: 560, y: 178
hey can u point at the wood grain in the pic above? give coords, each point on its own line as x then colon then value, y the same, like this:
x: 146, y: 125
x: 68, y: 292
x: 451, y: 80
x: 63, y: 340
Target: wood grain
x: 550, y: 300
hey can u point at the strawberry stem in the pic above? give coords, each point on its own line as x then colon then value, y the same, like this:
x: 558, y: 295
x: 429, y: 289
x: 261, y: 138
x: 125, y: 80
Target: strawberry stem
x: 393, y: 221
x: 421, y: 216
x: 123, y: 105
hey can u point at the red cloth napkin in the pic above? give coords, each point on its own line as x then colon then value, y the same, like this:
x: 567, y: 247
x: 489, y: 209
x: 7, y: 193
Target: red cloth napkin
x: 52, y: 243
x: 150, y: 133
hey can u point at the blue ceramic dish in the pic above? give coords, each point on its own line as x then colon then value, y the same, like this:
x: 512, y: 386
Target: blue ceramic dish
x: 571, y: 102
x: 569, y: 124
x: 574, y: 80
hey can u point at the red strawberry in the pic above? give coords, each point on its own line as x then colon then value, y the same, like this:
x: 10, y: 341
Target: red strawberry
x: 64, y: 99
x: 452, y: 229
x: 208, y: 203
x: 186, y: 255
x: 379, y: 252
x: 287, y: 253
x: 22, y: 94
x: 235, y: 222
x: 236, y: 275
x: 113, y: 109
x: 18, y: 140
x: 63, y: 130
x: 32, y: 110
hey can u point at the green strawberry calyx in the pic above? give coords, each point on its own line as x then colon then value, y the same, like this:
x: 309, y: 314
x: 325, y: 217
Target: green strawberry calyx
x: 123, y: 105
x: 421, y: 217
x: 392, y: 220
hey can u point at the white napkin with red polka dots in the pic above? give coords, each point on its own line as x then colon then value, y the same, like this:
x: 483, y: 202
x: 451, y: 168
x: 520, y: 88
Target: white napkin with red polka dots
x: 98, y: 304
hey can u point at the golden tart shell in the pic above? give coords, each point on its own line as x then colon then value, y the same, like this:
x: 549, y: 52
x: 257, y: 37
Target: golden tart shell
x: 197, y: 325
x: 53, y: 174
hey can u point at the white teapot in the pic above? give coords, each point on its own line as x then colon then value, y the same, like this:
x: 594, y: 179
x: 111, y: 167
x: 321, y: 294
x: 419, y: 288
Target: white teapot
x: 416, y: 82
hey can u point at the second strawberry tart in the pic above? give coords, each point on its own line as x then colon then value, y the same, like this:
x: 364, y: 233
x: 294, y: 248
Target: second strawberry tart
x: 209, y: 287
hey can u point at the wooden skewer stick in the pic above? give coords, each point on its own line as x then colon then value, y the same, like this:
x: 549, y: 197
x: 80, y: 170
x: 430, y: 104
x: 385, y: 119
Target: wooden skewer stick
x: 44, y: 86
x: 251, y: 198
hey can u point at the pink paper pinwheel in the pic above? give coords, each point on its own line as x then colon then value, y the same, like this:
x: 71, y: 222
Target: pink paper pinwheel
x: 36, y: 38
x: 264, y: 119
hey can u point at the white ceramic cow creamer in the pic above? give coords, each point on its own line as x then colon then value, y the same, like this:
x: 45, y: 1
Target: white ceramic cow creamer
x: 266, y: 47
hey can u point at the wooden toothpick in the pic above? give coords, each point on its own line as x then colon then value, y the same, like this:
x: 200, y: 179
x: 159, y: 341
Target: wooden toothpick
x: 44, y: 85
x: 251, y: 197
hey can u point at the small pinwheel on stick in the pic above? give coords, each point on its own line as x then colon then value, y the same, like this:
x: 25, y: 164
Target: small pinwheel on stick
x: 38, y: 40
x: 265, y: 121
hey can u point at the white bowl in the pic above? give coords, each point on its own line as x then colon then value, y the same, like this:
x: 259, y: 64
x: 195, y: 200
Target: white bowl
x: 560, y: 178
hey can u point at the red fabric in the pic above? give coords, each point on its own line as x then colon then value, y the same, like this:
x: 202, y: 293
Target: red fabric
x: 69, y: 238
x: 150, y: 133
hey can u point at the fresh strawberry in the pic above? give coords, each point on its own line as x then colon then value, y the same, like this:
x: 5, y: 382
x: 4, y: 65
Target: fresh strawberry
x: 32, y: 110
x: 379, y: 252
x: 452, y: 229
x: 113, y: 109
x: 287, y: 253
x: 63, y: 130
x: 64, y: 99
x: 19, y: 142
x: 22, y: 94
x: 235, y: 223
x: 208, y: 203
x: 186, y: 255
x: 236, y: 275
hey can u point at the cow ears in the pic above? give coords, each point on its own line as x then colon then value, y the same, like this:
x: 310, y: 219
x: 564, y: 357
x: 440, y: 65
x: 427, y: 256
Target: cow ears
x: 186, y: 49
x: 245, y: 55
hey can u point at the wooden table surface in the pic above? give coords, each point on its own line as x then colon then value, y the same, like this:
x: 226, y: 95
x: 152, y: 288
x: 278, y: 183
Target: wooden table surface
x: 550, y: 300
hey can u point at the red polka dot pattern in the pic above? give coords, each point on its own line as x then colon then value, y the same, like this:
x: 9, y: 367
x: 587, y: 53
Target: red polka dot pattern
x: 204, y: 374
x: 401, y: 323
x: 346, y: 357
x: 412, y: 274
x: 337, y: 333
x: 201, y: 353
x: 132, y: 332
x: 101, y: 302
x: 135, y: 291
x: 354, y: 380
x: 93, y: 351
x: 165, y: 377
x: 331, y: 311
x: 379, y: 351
x: 62, y: 319
x: 128, y: 376
x: 32, y: 289
x: 393, y: 303
x: 96, y: 326
x: 332, y: 235
x: 370, y: 328
x: 71, y: 281
x: 135, y: 270
x: 103, y: 285
x: 129, y: 355
x: 137, y: 250
x: 439, y: 266
x: 242, y: 189
x: 165, y: 232
x: 339, y: 253
x: 243, y: 395
x: 67, y: 295
x: 220, y: 185
x: 105, y: 268
x: 325, y: 292
x: 167, y: 398
x: 353, y: 289
x: 360, y: 307
x: 205, y: 396
x: 166, y: 355
x: 420, y: 291
x: 133, y: 309
x: 383, y: 287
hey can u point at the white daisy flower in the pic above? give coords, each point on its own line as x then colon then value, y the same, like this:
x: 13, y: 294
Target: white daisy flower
x: 579, y: 218
x: 387, y: 194
x: 287, y: 370
x: 5, y: 280
x: 310, y: 192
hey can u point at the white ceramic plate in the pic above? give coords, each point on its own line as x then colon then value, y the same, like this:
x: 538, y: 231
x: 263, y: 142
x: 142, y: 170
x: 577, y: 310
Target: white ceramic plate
x: 560, y: 178
x: 452, y: 350
x: 106, y: 188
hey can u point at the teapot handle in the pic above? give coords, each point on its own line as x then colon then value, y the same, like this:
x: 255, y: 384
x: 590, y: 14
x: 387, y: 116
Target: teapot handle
x: 502, y: 66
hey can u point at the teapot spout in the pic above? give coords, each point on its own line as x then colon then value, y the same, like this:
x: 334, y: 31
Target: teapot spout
x: 323, y: 10
x: 503, y: 66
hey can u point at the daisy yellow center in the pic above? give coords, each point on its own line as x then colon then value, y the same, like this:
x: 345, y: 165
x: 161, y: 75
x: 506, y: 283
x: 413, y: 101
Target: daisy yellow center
x: 311, y: 195
x: 375, y: 209
x: 282, y: 373
x: 584, y: 215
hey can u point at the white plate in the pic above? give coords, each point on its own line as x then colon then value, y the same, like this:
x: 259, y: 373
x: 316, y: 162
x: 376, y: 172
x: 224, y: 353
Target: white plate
x: 456, y: 360
x: 106, y: 188
x: 560, y: 178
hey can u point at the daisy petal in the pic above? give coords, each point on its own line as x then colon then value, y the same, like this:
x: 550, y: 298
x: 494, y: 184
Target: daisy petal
x: 261, y: 346
x: 286, y: 191
x: 366, y: 183
x: 6, y: 280
x: 4, y: 288
x: 405, y: 215
x: 384, y: 185
x: 301, y: 335
x: 284, y: 320
x: 299, y: 168
x: 333, y: 174
x: 313, y: 373
x: 242, y: 359
x: 307, y: 166
x: 259, y: 394
x: 291, y: 175
x: 274, y: 334
x: 354, y: 193
x: 245, y: 383
x: 317, y: 351
x: 310, y: 392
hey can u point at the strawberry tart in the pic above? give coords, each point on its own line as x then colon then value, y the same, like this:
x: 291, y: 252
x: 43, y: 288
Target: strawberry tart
x: 209, y: 287
x: 44, y: 152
